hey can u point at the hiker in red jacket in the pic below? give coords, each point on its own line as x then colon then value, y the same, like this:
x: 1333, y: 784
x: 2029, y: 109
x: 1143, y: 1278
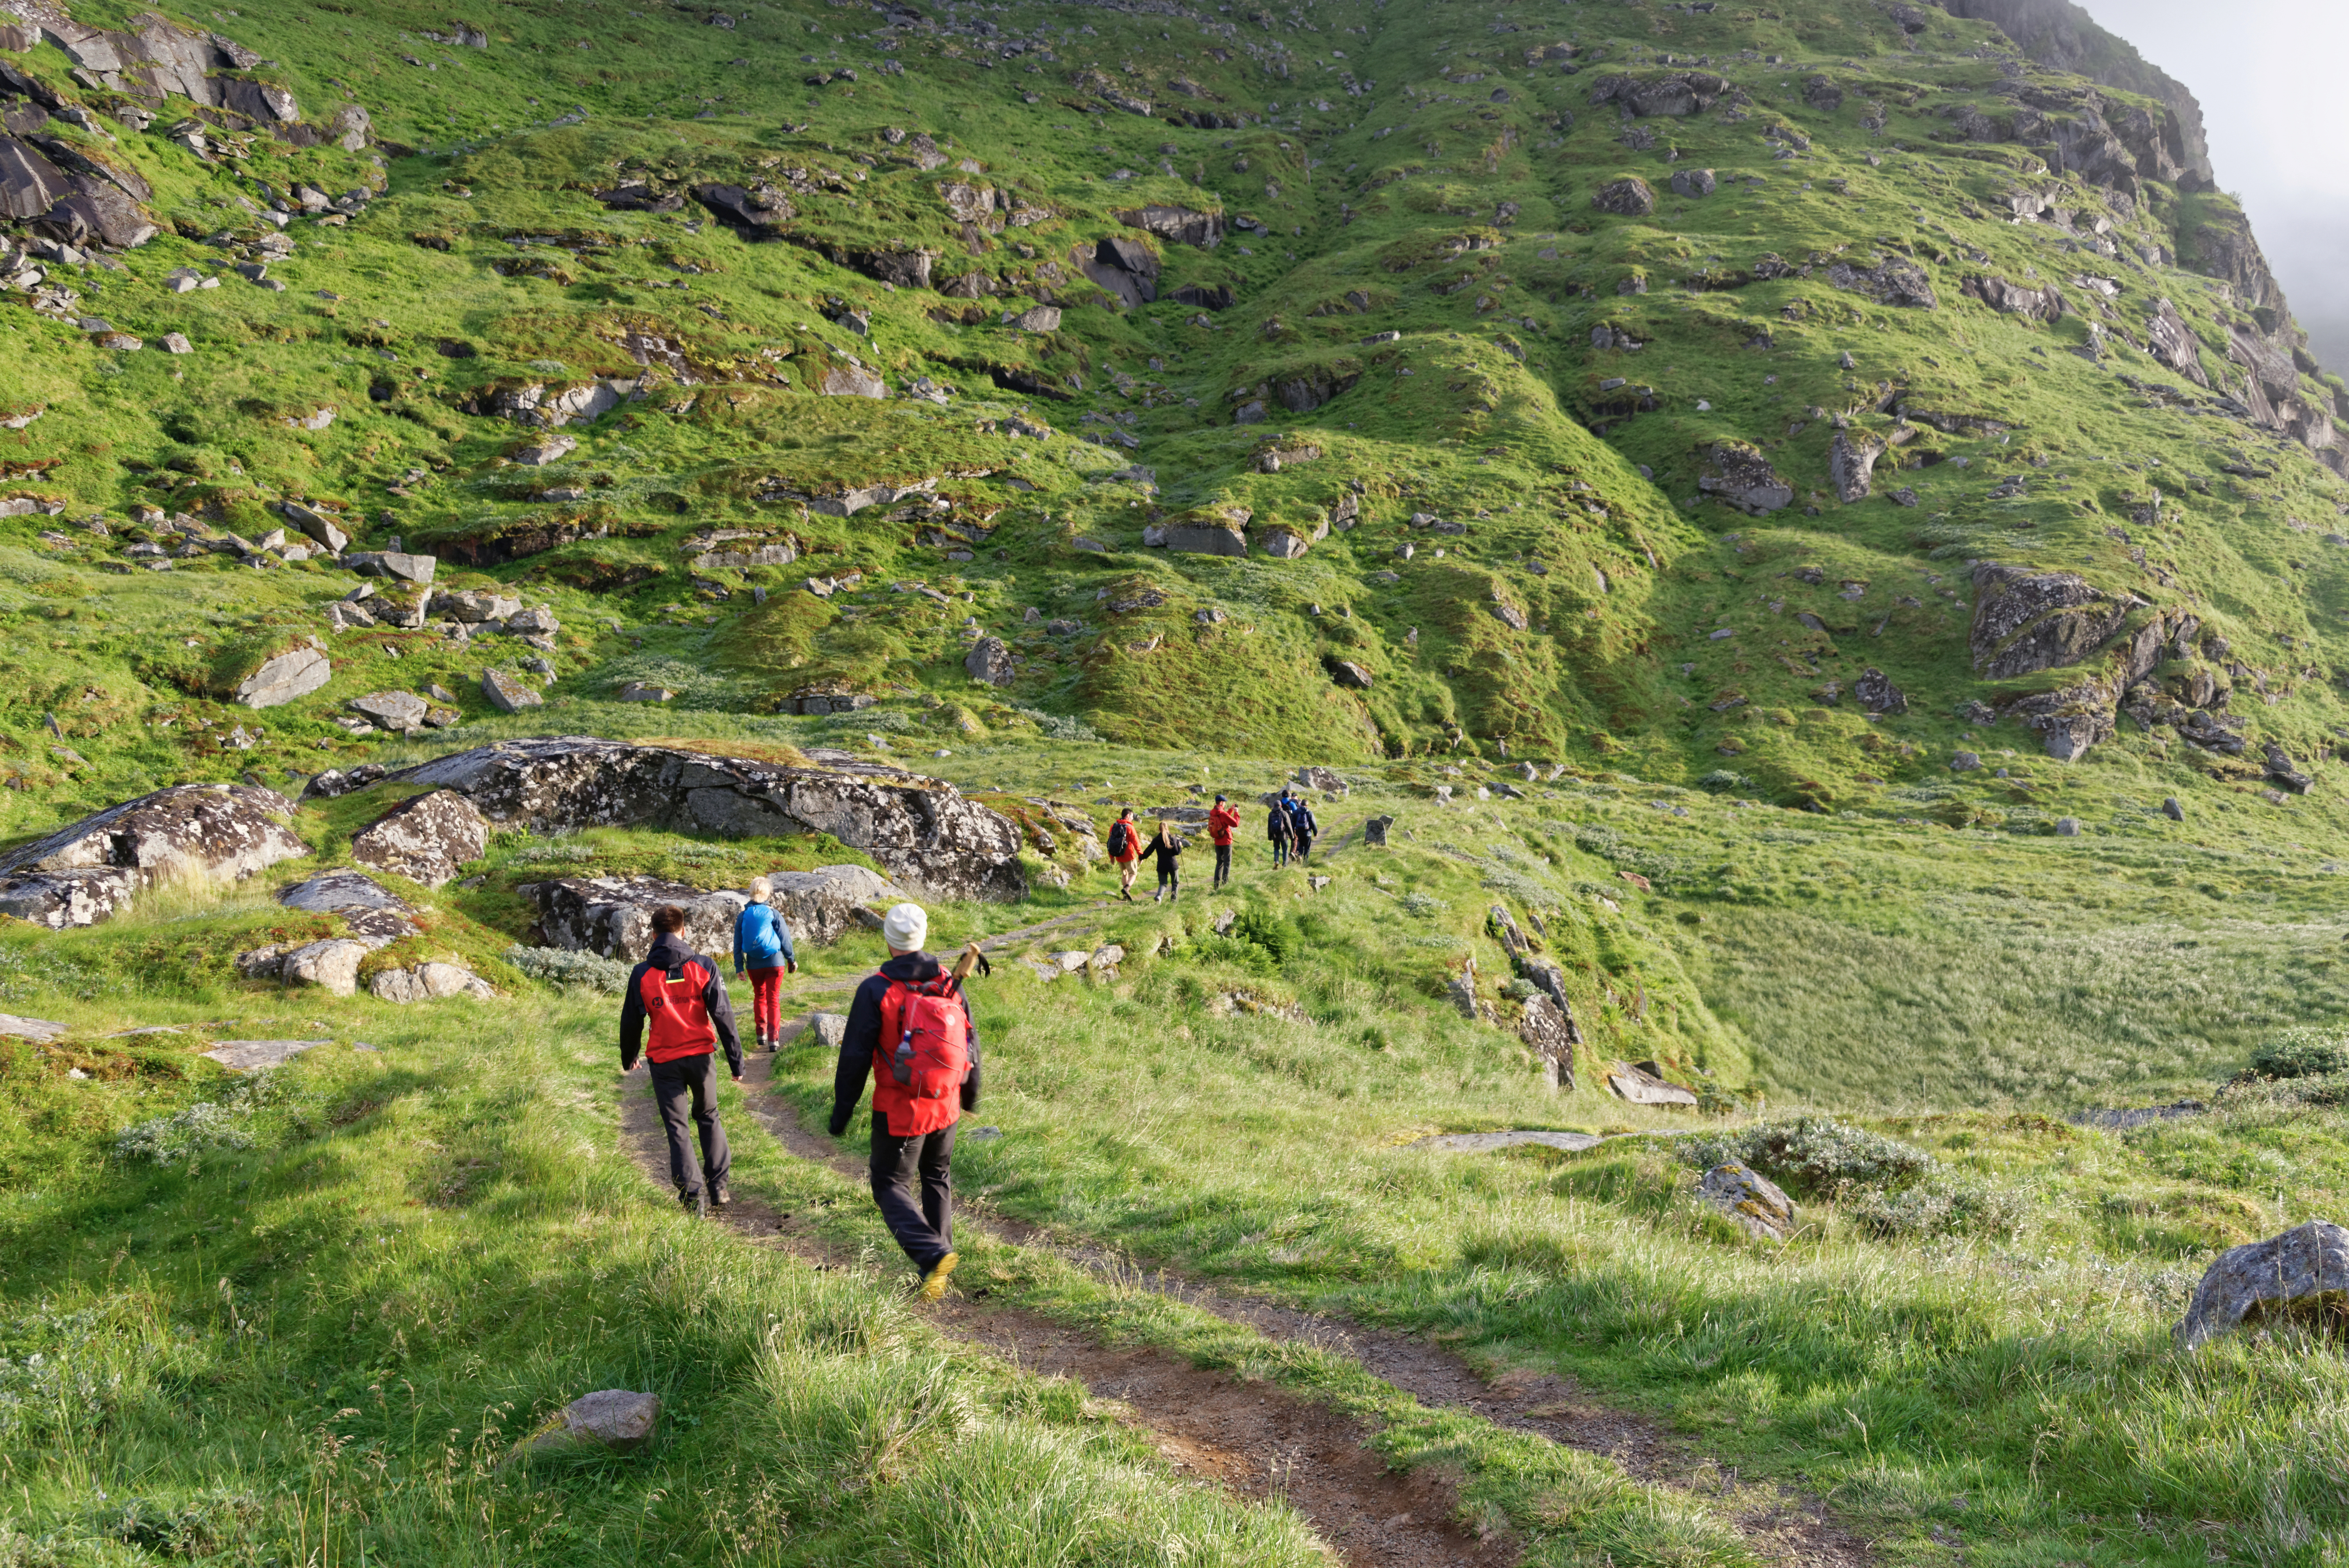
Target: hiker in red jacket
x: 1221, y: 819
x: 909, y: 1030
x: 680, y: 993
x: 1124, y: 851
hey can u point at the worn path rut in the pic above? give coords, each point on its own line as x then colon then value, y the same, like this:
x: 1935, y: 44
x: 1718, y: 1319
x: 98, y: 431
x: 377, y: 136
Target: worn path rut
x: 1257, y: 1439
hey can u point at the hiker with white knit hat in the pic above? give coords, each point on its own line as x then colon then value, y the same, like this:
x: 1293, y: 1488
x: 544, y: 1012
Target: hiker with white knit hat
x: 909, y: 1029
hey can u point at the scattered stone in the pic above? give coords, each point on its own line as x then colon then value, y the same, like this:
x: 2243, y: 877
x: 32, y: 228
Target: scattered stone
x: 1630, y: 197
x: 2298, y: 1277
x: 1875, y: 693
x: 551, y: 447
x: 332, y: 965
x: 426, y: 840
x: 1643, y: 1088
x: 243, y: 1056
x: 1694, y: 183
x: 92, y: 870
x: 612, y: 1419
x: 397, y: 564
x: 395, y: 710
x: 1548, y: 1031
x: 829, y: 1029
x: 507, y: 694
x: 645, y: 691
x: 1348, y: 674
x: 1755, y: 1203
x: 1739, y: 474
x: 1965, y: 762
x: 371, y: 913
x: 1323, y: 780
x: 1374, y: 831
x: 2067, y: 827
x: 989, y: 660
x: 2173, y: 810
x: 1851, y: 463
x: 296, y: 673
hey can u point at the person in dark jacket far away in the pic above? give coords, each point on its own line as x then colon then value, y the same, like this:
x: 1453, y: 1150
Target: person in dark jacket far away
x: 1221, y: 820
x: 1301, y: 825
x: 680, y: 994
x: 1165, y: 846
x: 909, y: 1030
x: 762, y: 945
x: 1280, y: 830
x: 1125, y: 849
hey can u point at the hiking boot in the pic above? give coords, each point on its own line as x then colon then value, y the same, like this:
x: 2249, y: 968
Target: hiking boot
x: 722, y: 1196
x: 697, y: 1201
x: 934, y: 1284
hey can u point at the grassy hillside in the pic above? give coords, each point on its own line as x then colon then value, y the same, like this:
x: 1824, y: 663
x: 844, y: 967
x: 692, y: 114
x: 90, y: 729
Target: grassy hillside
x: 1647, y: 672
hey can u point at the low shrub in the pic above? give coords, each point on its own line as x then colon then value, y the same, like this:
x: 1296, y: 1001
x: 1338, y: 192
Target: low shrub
x: 1939, y: 1209
x: 572, y: 971
x: 1814, y: 1153
x: 208, y: 1126
x: 2312, y: 1051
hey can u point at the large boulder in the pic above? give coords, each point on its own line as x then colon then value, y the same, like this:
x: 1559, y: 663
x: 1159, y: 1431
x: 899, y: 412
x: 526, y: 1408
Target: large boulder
x: 92, y: 870
x: 929, y: 839
x: 1643, y: 1087
x: 2302, y: 1275
x: 989, y: 660
x: 428, y: 982
x: 276, y: 681
x: 1851, y: 464
x: 1549, y: 1033
x: 614, y: 916
x: 1177, y: 225
x: 1630, y: 197
x: 425, y: 840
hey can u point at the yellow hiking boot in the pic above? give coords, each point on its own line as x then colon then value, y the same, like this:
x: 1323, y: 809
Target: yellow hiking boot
x: 934, y: 1284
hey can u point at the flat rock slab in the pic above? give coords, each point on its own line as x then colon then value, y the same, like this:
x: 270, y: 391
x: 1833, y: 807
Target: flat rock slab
x: 426, y: 839
x: 1645, y: 1089
x: 1484, y: 1142
x: 92, y: 870
x: 245, y: 1055
x: 30, y: 1028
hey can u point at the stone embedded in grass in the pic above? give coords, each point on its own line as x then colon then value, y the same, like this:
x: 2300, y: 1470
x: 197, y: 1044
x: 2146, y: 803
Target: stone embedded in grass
x: 244, y: 1056
x: 400, y: 710
x: 1965, y: 762
x: 1851, y: 463
x: 508, y: 695
x: 1757, y: 1205
x: 397, y: 564
x: 828, y: 1031
x: 332, y: 965
x: 989, y: 660
x: 296, y: 673
x: 1630, y: 197
x: 616, y: 1420
x: 2298, y: 1277
x: 429, y: 981
x: 29, y: 1029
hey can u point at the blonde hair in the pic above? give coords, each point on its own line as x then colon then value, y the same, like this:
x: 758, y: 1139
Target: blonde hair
x: 761, y: 888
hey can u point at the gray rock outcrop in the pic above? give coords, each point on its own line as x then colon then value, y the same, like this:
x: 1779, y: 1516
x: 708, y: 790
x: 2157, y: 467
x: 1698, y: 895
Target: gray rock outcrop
x: 1551, y: 1036
x: 929, y: 839
x: 425, y: 840
x: 1753, y: 1202
x: 2041, y: 304
x: 371, y: 913
x: 2301, y: 1276
x: 1630, y: 197
x: 428, y: 983
x: 1875, y: 693
x: 612, y: 915
x: 989, y: 660
x: 509, y: 694
x: 2027, y: 621
x: 93, y: 870
x: 1641, y: 1087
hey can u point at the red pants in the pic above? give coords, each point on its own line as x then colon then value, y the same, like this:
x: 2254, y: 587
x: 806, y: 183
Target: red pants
x: 767, y: 1002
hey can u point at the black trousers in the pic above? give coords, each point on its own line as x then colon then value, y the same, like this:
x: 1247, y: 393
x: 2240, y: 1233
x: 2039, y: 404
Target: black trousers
x: 1169, y: 877
x: 694, y: 1077
x: 924, y: 1228
x: 1223, y: 865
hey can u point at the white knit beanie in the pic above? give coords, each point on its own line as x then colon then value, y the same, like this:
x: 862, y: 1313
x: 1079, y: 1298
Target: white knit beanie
x: 905, y: 928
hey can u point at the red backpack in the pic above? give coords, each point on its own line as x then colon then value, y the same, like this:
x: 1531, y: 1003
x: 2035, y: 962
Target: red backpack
x: 925, y: 1031
x: 680, y: 1024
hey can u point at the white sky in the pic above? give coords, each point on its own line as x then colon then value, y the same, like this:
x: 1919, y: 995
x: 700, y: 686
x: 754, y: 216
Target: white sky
x: 2268, y: 74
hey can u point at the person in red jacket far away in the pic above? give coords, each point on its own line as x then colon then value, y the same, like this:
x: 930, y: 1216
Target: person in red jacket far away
x: 909, y: 1030
x: 1221, y: 820
x: 680, y: 994
x: 1124, y: 851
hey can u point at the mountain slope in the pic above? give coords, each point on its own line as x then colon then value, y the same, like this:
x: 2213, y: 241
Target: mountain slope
x: 1788, y: 397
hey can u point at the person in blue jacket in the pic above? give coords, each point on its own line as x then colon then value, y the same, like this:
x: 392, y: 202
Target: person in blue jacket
x: 762, y: 947
x: 1302, y: 827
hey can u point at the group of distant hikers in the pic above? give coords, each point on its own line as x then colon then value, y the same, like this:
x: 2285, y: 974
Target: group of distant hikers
x: 1289, y: 824
x: 909, y: 1031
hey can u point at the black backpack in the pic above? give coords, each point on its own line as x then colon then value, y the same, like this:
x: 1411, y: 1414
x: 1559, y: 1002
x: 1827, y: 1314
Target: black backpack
x: 1121, y: 840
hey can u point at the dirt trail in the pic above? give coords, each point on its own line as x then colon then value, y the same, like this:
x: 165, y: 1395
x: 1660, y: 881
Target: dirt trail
x: 1782, y: 1527
x: 1250, y: 1438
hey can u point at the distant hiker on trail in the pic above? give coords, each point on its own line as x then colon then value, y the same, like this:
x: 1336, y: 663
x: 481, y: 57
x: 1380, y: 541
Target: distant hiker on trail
x: 1125, y: 849
x: 1221, y: 820
x: 1301, y: 825
x: 1165, y: 847
x: 909, y: 1030
x: 762, y: 945
x: 1280, y: 830
x: 680, y: 993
